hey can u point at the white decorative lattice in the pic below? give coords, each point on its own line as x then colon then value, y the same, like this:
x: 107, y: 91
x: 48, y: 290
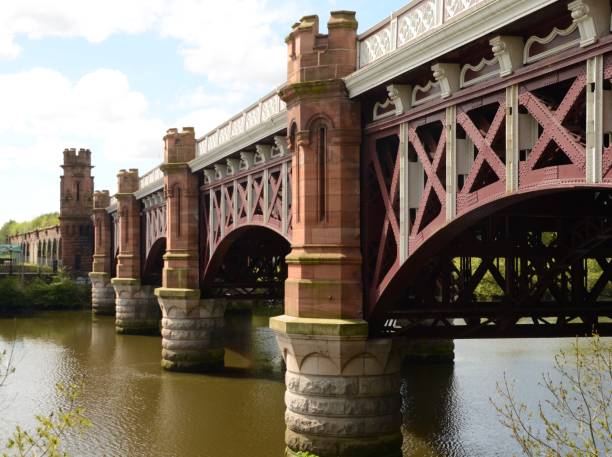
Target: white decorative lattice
x: 258, y: 113
x: 269, y: 108
x: 417, y: 22
x: 225, y: 134
x: 253, y: 117
x: 238, y: 126
x: 455, y: 7
x: 376, y: 46
x: 421, y: 17
x: 152, y: 177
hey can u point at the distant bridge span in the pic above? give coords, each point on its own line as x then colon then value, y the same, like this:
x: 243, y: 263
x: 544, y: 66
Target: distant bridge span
x: 447, y: 174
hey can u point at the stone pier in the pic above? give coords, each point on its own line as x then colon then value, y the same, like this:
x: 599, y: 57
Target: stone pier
x: 192, y: 328
x: 137, y: 310
x: 102, y: 292
x: 192, y: 332
x: 342, y: 387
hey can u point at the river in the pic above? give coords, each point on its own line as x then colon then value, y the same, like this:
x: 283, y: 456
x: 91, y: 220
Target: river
x: 137, y: 409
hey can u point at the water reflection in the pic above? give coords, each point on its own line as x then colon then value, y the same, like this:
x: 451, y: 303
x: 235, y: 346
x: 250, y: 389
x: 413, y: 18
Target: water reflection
x: 429, y: 409
x: 139, y: 410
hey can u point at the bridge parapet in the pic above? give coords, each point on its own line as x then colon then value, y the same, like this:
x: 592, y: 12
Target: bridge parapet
x: 245, y: 124
x: 151, y: 181
x: 409, y: 24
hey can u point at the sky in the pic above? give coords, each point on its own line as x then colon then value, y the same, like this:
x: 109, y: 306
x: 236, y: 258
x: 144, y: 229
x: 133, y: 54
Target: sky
x: 113, y: 75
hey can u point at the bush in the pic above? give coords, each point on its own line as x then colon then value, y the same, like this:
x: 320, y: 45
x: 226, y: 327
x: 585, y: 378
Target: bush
x: 12, y: 296
x: 62, y: 293
x: 575, y: 419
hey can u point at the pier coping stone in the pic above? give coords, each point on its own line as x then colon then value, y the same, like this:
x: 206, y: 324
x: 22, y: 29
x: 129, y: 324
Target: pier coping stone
x: 125, y: 282
x: 99, y: 275
x: 319, y: 327
x: 188, y: 294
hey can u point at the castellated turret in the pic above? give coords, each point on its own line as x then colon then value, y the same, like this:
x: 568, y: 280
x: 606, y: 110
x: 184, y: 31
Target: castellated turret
x: 76, y: 209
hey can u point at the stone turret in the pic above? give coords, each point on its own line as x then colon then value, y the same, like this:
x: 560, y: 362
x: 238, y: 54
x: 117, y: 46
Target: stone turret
x: 76, y: 207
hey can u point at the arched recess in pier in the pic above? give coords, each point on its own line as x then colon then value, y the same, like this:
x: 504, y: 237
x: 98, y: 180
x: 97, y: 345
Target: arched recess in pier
x: 248, y: 264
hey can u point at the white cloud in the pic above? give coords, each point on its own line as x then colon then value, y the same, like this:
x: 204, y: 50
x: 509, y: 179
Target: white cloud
x: 100, y: 108
x: 92, y: 20
x: 234, y: 43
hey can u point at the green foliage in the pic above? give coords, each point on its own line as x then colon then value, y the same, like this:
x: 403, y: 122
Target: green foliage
x: 12, y: 227
x: 575, y: 419
x: 305, y: 454
x: 45, y: 439
x: 6, y: 364
x: 62, y: 293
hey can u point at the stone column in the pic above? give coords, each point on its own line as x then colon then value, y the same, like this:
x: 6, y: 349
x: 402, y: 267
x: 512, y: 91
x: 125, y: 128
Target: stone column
x: 191, y: 327
x: 342, y: 387
x: 102, y: 292
x: 137, y: 310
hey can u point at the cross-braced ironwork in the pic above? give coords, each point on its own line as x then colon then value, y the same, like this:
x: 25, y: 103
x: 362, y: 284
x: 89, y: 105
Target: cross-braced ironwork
x: 484, y: 128
x: 534, y: 269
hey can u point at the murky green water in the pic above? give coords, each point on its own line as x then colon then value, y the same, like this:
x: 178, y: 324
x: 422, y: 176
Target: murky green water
x: 139, y: 410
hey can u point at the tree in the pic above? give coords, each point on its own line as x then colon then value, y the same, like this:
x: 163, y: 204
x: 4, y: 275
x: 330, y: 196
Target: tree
x: 575, y: 418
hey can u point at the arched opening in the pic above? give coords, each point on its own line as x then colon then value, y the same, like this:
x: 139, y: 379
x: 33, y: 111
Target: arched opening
x: 154, y: 264
x: 538, y: 265
x: 249, y: 264
x: 248, y: 272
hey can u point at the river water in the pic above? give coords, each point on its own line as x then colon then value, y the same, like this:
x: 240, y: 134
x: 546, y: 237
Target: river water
x: 137, y: 409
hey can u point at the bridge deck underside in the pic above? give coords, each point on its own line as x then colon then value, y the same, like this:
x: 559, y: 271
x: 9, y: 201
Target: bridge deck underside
x: 539, y: 268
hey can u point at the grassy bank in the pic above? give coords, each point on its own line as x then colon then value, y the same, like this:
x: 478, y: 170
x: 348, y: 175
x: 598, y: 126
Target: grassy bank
x: 18, y: 297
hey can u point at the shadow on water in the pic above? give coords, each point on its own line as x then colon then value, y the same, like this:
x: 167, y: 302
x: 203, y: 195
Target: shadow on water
x: 430, y: 423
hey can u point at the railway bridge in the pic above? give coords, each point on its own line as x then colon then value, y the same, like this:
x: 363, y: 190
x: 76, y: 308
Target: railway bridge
x: 446, y: 174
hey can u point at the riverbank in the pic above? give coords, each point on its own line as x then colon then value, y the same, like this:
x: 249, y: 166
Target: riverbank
x: 19, y: 297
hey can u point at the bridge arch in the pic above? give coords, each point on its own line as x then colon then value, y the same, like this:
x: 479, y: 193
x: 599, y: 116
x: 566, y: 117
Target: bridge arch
x: 545, y: 255
x: 153, y: 263
x: 249, y: 263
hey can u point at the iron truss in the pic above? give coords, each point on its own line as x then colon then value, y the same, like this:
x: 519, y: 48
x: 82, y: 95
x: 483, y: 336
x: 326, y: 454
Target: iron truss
x: 541, y: 268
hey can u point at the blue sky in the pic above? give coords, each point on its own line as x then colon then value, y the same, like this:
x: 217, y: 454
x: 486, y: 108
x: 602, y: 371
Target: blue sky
x: 113, y: 75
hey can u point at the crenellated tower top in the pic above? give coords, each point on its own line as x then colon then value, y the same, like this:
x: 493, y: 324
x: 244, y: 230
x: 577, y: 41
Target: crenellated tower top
x: 313, y: 56
x: 127, y: 181
x: 72, y: 157
x: 101, y: 199
x: 179, y: 147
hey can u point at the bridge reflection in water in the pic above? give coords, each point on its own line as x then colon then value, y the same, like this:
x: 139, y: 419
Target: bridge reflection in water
x: 137, y: 409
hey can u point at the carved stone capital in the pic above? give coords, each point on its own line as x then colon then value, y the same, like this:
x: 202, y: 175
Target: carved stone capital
x: 233, y: 165
x: 509, y: 52
x: 401, y: 96
x: 248, y: 159
x: 447, y: 75
x: 209, y: 175
x: 281, y: 144
x: 592, y: 17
